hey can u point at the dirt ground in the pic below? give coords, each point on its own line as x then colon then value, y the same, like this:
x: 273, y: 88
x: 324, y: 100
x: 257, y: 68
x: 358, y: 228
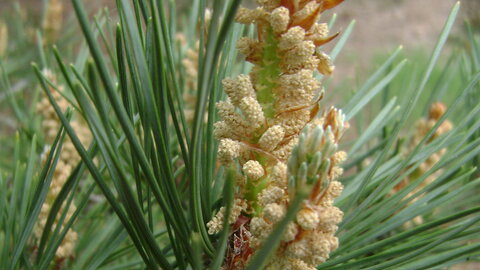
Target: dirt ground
x: 383, y: 25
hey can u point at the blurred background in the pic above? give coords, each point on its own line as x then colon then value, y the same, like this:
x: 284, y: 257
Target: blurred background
x: 381, y: 26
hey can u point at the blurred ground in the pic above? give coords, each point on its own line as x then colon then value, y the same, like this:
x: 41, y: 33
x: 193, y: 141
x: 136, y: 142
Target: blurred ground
x: 383, y: 25
x: 467, y: 266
